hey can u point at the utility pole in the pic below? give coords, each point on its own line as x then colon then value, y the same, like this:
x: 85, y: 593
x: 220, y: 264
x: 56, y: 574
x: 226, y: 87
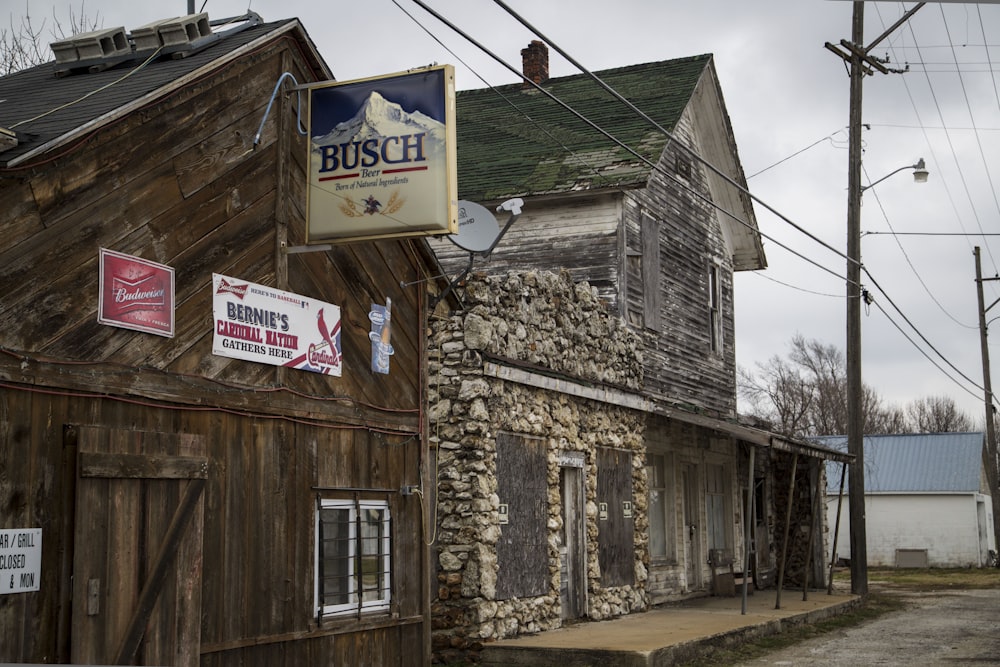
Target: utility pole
x: 855, y: 416
x: 861, y: 63
x: 990, y: 446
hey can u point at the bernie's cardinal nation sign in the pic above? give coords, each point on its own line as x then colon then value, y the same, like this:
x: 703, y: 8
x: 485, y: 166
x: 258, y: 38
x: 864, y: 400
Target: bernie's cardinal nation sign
x: 269, y: 326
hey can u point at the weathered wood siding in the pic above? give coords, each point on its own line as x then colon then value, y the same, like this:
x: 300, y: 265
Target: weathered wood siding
x: 599, y: 239
x: 255, y: 555
x: 680, y: 365
x: 580, y: 234
x: 179, y: 183
x: 616, y: 517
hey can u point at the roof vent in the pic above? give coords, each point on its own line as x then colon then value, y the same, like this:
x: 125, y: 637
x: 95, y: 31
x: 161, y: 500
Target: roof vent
x: 174, y: 36
x: 7, y: 139
x: 95, y: 51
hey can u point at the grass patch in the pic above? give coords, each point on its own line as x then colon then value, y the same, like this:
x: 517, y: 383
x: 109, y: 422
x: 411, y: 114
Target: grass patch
x: 928, y: 579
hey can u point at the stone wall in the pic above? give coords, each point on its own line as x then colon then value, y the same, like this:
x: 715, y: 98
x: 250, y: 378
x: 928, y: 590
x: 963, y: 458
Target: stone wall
x: 542, y: 322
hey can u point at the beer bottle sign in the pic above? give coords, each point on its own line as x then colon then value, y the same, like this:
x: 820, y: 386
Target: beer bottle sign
x: 380, y: 335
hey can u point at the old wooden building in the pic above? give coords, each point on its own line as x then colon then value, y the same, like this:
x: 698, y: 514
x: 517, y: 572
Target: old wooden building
x: 162, y: 501
x: 628, y: 415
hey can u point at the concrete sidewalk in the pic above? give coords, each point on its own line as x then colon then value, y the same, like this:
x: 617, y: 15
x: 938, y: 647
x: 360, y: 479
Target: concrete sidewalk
x: 668, y: 635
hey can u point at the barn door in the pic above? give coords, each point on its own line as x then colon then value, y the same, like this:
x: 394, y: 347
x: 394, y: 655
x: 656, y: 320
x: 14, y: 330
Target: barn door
x: 137, y: 549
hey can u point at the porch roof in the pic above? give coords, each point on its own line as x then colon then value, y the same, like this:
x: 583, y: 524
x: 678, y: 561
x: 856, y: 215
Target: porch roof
x: 517, y: 372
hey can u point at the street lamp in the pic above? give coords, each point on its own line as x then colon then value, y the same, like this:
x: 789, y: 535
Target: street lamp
x: 855, y: 391
x: 919, y: 174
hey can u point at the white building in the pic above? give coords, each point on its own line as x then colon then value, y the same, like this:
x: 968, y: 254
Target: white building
x: 927, y: 503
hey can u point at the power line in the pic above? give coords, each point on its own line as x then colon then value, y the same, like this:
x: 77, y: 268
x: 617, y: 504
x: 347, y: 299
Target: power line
x: 915, y: 329
x: 916, y: 273
x: 653, y: 166
x: 828, y: 137
x: 662, y: 129
x: 672, y: 140
x: 895, y: 233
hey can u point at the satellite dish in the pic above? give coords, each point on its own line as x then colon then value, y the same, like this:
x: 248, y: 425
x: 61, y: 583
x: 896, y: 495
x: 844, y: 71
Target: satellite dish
x: 477, y: 228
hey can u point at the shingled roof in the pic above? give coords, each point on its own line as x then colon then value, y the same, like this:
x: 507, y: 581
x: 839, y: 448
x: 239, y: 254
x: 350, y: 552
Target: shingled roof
x: 46, y: 111
x: 516, y: 141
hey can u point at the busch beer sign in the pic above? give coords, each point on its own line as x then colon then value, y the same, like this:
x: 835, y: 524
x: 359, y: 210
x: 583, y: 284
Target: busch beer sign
x: 269, y: 326
x: 136, y: 294
x: 382, y: 157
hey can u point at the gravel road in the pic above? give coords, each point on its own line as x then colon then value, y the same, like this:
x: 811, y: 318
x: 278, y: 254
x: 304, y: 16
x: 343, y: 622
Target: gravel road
x: 939, y: 628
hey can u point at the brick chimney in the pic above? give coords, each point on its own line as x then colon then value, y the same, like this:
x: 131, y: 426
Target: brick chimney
x: 535, y: 62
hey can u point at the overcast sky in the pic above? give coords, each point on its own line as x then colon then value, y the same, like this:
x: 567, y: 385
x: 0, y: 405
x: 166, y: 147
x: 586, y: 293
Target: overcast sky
x: 787, y: 97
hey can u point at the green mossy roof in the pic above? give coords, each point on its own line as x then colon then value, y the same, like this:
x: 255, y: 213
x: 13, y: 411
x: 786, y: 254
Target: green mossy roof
x: 515, y: 141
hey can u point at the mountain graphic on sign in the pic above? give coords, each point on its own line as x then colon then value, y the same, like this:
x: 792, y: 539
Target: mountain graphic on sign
x: 379, y: 118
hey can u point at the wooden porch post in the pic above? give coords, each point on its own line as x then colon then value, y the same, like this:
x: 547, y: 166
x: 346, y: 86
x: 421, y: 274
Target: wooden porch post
x: 748, y: 533
x: 836, y: 529
x: 788, y: 521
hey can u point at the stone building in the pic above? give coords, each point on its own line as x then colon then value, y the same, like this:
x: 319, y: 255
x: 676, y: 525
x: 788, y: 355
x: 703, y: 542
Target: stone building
x: 583, y: 391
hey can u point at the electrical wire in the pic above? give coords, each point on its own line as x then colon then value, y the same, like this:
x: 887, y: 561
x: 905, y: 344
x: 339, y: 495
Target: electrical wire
x: 580, y: 159
x: 653, y: 166
x: 968, y: 105
x: 915, y: 329
x: 917, y: 347
x: 828, y: 137
x: 671, y: 138
x: 909, y: 262
x: 763, y: 275
x: 951, y: 144
x: 91, y: 93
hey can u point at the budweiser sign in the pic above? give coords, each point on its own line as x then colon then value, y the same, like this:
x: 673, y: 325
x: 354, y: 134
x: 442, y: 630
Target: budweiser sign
x: 136, y: 294
x: 226, y: 287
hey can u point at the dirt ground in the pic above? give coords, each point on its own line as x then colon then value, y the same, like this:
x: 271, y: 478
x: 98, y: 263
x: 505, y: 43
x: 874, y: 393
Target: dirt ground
x: 941, y: 627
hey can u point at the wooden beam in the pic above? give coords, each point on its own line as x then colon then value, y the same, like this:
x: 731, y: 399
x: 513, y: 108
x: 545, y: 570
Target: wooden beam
x: 142, y: 466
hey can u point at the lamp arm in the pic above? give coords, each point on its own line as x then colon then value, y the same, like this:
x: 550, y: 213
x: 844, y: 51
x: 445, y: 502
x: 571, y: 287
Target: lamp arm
x: 909, y: 166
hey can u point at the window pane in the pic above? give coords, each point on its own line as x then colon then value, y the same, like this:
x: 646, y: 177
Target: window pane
x: 353, y: 551
x: 371, y: 555
x: 657, y: 524
x: 335, y: 547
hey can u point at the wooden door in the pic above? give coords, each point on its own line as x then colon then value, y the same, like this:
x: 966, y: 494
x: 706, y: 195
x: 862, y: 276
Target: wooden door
x: 137, y: 557
x: 615, y: 522
x: 573, y: 553
x: 692, y: 536
x: 523, y: 547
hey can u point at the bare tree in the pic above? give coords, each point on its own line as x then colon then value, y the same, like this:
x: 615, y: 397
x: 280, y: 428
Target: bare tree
x: 806, y: 394
x: 880, y: 418
x: 826, y: 369
x: 780, y: 395
x: 937, y: 414
x: 24, y: 43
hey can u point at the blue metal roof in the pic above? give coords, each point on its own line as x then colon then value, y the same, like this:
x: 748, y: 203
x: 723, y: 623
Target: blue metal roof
x: 914, y: 462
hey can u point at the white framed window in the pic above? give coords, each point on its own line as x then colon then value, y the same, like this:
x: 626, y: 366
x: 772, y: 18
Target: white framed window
x: 662, y: 536
x: 353, y: 556
x: 717, y: 507
x: 714, y: 310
